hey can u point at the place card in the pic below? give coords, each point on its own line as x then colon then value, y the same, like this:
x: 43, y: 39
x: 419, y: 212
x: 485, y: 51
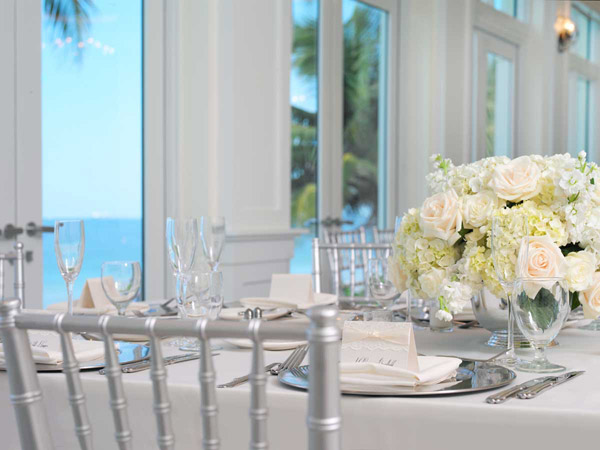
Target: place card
x: 388, y: 343
x: 92, y: 295
x: 297, y: 288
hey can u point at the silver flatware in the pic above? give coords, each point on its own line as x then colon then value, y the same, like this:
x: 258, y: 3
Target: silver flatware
x: 293, y: 361
x: 240, y: 380
x: 503, y: 396
x: 543, y: 387
x: 143, y: 365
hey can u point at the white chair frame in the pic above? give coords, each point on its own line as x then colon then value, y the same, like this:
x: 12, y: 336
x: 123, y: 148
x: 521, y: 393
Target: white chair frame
x: 323, y: 421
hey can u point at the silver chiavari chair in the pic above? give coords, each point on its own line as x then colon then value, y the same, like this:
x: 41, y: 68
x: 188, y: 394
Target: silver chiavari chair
x: 323, y: 419
x: 17, y: 258
x: 347, y: 270
x: 383, y: 236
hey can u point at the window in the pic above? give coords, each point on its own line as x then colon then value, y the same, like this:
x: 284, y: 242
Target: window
x: 494, y: 107
x: 355, y: 49
x: 304, y: 101
x: 364, y: 156
x: 92, y: 135
x: 583, y: 79
x: 506, y: 6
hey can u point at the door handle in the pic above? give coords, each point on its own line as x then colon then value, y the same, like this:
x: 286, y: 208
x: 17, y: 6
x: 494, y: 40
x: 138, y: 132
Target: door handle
x: 10, y: 231
x: 32, y: 229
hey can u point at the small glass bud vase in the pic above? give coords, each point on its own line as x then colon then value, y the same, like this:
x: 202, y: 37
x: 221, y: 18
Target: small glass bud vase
x: 435, y: 324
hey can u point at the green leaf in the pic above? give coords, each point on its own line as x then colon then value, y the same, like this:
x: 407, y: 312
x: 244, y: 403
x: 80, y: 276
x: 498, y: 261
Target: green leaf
x: 571, y: 248
x: 543, y: 308
x: 511, y: 204
x: 574, y: 300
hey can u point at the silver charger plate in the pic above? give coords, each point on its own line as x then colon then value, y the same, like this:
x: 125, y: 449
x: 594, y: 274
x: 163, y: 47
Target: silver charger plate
x: 471, y: 377
x: 128, y: 352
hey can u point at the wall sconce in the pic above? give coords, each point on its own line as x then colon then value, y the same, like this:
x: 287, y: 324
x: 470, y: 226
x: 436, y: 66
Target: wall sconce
x: 567, y: 32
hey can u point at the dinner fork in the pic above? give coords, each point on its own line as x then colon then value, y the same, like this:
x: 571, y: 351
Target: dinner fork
x: 293, y: 361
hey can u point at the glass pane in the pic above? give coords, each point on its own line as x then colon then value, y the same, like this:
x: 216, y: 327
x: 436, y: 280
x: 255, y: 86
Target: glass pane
x: 595, y: 41
x: 582, y: 116
x: 92, y: 134
x: 304, y: 101
x: 365, y: 50
x: 498, y: 127
x: 582, y: 22
x: 506, y: 6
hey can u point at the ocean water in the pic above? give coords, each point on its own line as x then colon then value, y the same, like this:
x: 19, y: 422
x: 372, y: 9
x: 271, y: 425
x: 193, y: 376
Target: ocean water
x: 105, y: 240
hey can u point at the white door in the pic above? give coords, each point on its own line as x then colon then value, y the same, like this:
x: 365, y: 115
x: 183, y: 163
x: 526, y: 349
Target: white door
x: 72, y: 140
x: 494, y: 106
x: 20, y: 142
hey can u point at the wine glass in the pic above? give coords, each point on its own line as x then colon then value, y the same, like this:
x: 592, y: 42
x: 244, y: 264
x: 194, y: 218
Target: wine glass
x: 508, y: 238
x: 212, y: 233
x: 69, y: 245
x: 379, y: 280
x: 541, y: 307
x: 204, y: 299
x: 121, y: 282
x: 182, y: 241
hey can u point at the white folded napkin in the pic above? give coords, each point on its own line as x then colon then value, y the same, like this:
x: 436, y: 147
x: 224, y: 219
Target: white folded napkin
x: 432, y: 370
x: 46, y: 348
x: 94, y: 301
x: 293, y: 291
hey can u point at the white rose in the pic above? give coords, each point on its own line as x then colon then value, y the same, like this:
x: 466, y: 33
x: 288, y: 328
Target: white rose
x: 580, y: 269
x: 543, y: 259
x: 516, y: 180
x: 590, y: 299
x: 396, y: 274
x: 441, y: 217
x: 478, y: 208
x: 432, y: 281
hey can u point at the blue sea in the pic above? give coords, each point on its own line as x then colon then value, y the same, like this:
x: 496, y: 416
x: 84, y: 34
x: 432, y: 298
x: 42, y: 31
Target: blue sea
x: 105, y: 240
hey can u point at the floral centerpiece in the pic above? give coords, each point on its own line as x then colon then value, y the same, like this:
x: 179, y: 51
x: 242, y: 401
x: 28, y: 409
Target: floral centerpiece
x: 442, y: 250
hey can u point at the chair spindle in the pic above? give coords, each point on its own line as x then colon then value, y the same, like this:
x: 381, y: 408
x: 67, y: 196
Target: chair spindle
x: 208, y: 393
x: 258, y: 394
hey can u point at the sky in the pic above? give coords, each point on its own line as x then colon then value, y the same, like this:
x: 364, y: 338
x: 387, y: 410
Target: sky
x: 92, y: 116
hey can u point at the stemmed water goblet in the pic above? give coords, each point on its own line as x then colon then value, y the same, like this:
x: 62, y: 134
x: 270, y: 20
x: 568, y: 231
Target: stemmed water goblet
x: 69, y: 246
x: 509, y: 236
x: 121, y: 282
x: 380, y: 282
x: 204, y: 299
x: 541, y: 307
x: 212, y: 233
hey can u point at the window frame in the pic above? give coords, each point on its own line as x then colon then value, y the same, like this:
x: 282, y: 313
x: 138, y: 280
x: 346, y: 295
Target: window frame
x: 330, y: 112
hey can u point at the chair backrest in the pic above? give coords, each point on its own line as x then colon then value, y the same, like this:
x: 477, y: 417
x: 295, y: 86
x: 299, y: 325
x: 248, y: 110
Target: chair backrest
x: 383, y: 236
x: 16, y: 258
x: 347, y: 269
x: 338, y: 236
x: 323, y: 396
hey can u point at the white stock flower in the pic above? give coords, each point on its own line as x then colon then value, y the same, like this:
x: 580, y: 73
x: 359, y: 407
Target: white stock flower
x: 478, y: 208
x: 441, y: 217
x: 580, y: 269
x: 443, y: 315
x: 431, y: 282
x: 516, y: 180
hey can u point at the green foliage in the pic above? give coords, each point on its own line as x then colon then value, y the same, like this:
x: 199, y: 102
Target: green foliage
x: 69, y: 17
x: 570, y: 248
x: 543, y: 308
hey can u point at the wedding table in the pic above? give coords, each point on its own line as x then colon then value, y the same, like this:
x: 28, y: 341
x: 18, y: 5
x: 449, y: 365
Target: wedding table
x: 558, y: 419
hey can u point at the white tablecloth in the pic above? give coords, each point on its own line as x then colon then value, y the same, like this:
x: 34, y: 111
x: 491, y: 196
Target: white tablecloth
x: 564, y: 417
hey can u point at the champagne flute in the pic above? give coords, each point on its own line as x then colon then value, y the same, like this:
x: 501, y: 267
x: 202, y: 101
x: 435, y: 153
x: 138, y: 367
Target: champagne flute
x: 121, y: 282
x: 69, y: 245
x: 212, y: 233
x: 380, y: 283
x: 509, y: 232
x: 182, y: 241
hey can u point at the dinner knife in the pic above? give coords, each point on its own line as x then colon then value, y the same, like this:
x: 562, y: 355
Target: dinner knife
x: 501, y: 397
x: 555, y: 381
x: 145, y: 364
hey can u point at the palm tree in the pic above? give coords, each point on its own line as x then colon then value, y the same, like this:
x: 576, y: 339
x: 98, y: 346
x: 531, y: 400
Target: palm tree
x: 69, y: 17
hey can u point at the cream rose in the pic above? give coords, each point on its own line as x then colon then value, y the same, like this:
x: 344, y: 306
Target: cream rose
x: 580, y: 269
x: 477, y: 209
x: 543, y: 259
x: 590, y: 298
x: 396, y: 274
x: 517, y: 180
x: 432, y: 281
x: 441, y: 217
